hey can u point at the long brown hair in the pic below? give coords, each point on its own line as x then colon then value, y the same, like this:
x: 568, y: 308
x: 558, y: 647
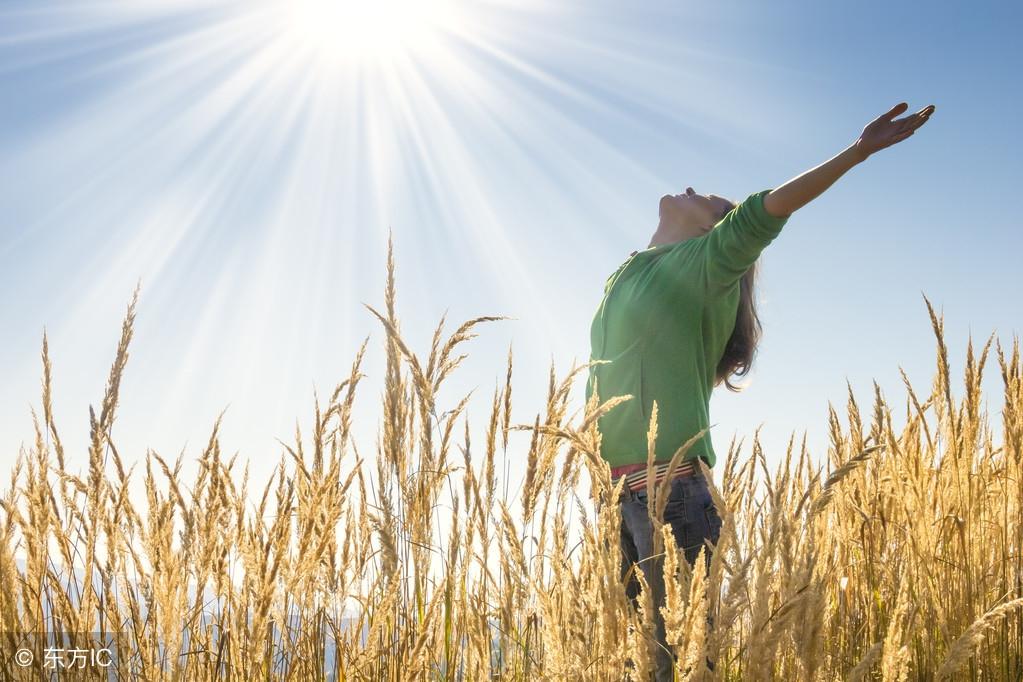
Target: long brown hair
x: 742, y: 344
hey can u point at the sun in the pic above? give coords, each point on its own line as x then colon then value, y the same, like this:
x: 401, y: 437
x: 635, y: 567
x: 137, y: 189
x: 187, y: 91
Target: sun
x: 348, y: 31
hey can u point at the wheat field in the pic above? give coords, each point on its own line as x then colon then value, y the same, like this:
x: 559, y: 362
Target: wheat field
x: 896, y: 557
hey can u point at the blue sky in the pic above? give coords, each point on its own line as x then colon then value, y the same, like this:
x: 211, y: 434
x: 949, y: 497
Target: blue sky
x: 517, y: 152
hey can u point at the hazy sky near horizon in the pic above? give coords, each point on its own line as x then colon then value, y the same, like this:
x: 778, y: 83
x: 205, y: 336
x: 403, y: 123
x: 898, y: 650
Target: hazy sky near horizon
x: 517, y: 152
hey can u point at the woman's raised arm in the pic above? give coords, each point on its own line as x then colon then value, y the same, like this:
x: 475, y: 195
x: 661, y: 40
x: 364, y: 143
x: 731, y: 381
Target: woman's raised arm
x: 883, y: 131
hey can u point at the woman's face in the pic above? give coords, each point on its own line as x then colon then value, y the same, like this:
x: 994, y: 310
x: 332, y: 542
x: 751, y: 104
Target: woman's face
x: 693, y: 214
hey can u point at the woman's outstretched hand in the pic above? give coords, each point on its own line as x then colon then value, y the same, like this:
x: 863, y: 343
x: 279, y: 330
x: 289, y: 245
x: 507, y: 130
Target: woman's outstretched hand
x: 886, y: 130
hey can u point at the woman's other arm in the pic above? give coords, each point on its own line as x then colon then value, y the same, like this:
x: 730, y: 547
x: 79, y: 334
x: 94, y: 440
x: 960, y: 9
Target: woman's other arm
x: 882, y: 132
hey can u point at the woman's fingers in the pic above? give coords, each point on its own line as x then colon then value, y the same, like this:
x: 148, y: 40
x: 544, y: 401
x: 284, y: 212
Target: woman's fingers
x: 914, y: 121
x: 918, y: 120
x: 922, y: 115
x: 899, y: 138
x: 910, y: 123
x: 887, y: 130
x: 894, y: 111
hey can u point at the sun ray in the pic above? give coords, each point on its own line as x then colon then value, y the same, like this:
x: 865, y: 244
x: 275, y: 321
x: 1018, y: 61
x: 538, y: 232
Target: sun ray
x: 285, y: 139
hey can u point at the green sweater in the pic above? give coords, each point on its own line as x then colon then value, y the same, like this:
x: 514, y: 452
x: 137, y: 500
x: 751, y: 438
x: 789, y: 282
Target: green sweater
x: 664, y: 321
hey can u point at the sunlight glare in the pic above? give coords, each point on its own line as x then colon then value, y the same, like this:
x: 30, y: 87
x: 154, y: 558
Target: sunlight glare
x: 353, y: 30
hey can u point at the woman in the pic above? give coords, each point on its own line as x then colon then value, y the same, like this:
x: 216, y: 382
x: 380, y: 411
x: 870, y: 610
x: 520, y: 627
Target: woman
x: 678, y: 319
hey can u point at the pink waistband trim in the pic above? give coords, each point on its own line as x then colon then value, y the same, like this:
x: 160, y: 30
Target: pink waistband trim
x: 636, y: 474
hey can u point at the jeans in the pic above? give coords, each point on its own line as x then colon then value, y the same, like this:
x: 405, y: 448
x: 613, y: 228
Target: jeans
x: 692, y: 516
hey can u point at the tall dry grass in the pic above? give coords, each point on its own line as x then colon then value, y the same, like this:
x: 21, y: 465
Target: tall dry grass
x: 901, y: 561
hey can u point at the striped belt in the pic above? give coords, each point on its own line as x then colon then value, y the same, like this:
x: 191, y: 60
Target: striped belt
x: 635, y: 474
